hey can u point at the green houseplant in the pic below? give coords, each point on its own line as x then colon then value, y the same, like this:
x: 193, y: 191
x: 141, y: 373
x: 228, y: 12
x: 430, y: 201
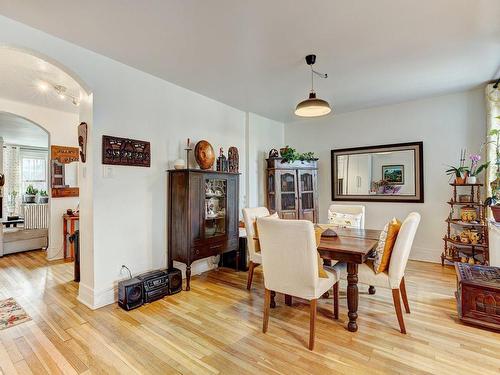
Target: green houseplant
x: 43, y: 197
x: 291, y: 155
x: 30, y: 195
x: 460, y: 173
x: 494, y: 200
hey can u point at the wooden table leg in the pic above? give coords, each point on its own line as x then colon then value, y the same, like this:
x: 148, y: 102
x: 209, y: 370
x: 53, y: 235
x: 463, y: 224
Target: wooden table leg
x: 273, y: 302
x: 72, y: 245
x: 352, y: 296
x: 65, y: 245
x: 188, y: 277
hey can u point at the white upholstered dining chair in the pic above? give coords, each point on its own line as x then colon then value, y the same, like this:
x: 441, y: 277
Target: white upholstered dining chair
x: 394, y: 277
x: 249, y: 217
x: 347, y: 209
x: 290, y: 266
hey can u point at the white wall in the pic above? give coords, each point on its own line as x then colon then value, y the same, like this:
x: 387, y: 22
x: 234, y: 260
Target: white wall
x: 445, y: 124
x: 129, y: 206
x: 62, y: 129
x: 262, y: 135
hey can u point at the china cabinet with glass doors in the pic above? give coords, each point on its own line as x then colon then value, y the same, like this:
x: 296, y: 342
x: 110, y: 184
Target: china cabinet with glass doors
x: 292, y: 189
x: 202, y: 215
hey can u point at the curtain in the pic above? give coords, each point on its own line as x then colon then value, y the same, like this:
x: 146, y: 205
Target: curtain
x: 12, y: 172
x: 492, y: 111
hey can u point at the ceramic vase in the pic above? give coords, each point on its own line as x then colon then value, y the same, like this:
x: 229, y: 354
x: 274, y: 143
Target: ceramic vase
x: 471, y: 179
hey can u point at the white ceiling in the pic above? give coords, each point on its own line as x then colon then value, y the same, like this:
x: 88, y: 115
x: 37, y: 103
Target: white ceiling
x: 250, y: 54
x: 16, y: 130
x: 20, y: 77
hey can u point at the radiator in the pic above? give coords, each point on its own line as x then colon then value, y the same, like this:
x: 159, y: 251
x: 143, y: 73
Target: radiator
x: 36, y: 216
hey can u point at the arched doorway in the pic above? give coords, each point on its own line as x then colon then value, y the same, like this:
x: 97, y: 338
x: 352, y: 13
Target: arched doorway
x: 44, y: 93
x: 24, y: 159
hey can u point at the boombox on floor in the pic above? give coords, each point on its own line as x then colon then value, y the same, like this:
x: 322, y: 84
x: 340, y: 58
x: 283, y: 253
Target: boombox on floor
x: 148, y: 287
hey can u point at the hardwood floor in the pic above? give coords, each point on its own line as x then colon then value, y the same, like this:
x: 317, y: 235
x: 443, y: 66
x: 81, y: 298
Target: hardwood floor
x: 217, y: 328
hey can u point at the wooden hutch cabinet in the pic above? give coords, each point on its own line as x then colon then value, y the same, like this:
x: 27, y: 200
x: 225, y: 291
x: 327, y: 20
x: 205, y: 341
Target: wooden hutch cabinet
x: 292, y: 189
x: 202, y: 215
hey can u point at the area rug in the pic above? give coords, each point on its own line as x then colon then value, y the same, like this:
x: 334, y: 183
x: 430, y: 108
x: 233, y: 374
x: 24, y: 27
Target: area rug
x: 11, y: 313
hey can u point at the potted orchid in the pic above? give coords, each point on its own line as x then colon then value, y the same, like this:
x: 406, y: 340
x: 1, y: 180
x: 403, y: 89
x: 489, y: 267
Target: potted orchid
x: 460, y: 172
x: 475, y: 169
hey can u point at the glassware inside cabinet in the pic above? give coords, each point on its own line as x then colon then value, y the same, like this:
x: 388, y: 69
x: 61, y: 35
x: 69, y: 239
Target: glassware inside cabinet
x: 215, y: 207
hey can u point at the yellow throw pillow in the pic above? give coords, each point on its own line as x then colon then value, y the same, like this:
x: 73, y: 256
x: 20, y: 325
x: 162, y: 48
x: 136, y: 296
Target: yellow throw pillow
x: 321, y: 271
x: 255, y: 238
x: 385, y: 245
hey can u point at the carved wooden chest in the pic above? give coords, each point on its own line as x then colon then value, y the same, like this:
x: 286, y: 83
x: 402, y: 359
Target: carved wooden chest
x: 478, y: 295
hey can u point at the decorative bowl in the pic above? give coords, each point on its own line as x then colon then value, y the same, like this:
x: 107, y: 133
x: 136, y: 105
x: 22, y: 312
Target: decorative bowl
x: 204, y: 154
x: 179, y: 164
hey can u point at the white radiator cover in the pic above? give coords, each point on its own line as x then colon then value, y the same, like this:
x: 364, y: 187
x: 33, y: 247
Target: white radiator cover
x: 36, y: 216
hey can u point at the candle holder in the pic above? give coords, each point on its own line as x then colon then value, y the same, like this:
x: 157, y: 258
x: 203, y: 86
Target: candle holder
x: 188, y: 149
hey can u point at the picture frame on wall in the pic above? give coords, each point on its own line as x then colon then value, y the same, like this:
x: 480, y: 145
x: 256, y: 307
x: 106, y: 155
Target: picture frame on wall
x: 125, y: 151
x: 394, y: 174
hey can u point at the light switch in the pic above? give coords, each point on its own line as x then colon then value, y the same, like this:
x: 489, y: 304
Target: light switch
x: 107, y: 171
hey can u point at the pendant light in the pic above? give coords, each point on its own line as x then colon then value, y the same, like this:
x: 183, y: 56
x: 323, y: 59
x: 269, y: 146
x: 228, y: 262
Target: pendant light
x: 313, y: 107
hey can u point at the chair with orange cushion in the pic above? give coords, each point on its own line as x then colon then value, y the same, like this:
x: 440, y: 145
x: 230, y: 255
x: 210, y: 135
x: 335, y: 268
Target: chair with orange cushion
x: 393, y: 277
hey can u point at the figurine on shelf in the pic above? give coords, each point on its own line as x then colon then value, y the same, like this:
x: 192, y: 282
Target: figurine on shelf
x: 234, y: 160
x: 468, y: 214
x: 274, y: 153
x: 221, y: 162
x: 474, y: 236
x: 464, y: 236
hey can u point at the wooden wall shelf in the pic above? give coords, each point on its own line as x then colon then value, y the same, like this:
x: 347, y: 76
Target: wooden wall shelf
x: 456, y: 250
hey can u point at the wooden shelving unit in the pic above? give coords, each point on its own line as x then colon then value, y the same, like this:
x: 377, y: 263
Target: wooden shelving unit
x: 455, y: 250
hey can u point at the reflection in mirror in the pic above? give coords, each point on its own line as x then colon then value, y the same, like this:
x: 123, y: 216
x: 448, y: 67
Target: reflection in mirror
x: 380, y: 173
x: 64, y: 171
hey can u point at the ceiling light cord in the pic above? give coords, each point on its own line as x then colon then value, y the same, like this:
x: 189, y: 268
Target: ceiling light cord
x: 320, y: 75
x: 312, y: 78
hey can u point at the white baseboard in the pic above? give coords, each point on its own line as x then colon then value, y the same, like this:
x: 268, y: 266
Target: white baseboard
x: 54, y: 253
x: 425, y: 254
x: 85, y: 295
x: 95, y: 299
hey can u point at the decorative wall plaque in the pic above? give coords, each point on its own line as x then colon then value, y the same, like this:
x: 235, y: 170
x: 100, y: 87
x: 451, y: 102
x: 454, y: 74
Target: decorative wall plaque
x: 82, y: 141
x: 64, y: 154
x: 125, y: 151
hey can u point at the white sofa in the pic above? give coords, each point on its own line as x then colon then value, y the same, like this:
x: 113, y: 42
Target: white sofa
x: 14, y: 240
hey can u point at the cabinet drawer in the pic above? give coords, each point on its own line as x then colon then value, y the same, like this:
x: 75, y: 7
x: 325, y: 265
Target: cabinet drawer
x: 206, y: 250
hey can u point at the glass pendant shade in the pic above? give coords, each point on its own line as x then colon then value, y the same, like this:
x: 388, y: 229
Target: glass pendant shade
x: 312, y: 107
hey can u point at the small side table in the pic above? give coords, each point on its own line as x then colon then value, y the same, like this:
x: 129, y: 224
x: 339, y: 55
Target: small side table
x: 72, y: 219
x: 14, y: 223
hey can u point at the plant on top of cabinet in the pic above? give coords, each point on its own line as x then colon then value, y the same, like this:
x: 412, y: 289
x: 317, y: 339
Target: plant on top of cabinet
x: 289, y: 155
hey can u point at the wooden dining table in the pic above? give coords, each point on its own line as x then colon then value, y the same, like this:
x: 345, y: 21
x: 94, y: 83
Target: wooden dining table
x: 354, y: 247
